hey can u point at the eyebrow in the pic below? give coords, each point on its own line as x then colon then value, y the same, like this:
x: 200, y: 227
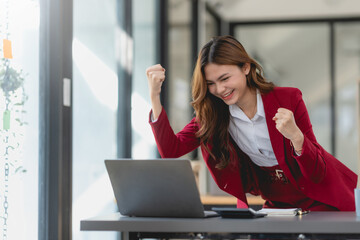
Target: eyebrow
x: 223, y: 75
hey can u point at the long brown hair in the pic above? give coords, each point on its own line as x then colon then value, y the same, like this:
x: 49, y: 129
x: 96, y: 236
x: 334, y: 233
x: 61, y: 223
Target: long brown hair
x: 212, y: 113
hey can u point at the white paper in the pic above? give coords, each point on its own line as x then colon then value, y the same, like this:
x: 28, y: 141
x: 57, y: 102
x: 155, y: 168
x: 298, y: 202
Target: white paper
x: 280, y: 211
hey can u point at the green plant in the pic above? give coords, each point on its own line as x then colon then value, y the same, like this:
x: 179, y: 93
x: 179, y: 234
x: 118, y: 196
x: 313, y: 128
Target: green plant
x: 10, y: 79
x: 12, y: 101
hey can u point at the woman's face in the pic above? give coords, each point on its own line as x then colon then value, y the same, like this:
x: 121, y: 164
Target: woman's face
x: 227, y: 82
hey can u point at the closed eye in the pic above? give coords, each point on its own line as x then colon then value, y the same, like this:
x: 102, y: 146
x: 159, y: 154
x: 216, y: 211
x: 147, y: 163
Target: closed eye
x: 224, y: 79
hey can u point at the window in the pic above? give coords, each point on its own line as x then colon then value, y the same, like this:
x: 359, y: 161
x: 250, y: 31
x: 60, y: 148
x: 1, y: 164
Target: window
x: 145, y: 50
x: 95, y: 98
x: 19, y: 119
x: 296, y: 55
x: 347, y: 78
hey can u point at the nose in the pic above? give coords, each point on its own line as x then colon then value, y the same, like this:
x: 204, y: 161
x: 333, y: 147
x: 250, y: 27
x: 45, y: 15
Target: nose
x: 220, y: 88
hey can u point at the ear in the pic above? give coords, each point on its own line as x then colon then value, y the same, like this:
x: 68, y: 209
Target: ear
x: 246, y: 68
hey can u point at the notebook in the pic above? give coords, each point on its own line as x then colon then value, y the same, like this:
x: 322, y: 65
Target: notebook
x: 283, y: 211
x: 156, y: 188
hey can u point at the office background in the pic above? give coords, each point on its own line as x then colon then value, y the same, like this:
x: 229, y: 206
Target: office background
x: 87, y: 99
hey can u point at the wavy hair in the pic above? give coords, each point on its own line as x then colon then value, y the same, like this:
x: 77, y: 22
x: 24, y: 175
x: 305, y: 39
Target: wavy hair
x: 212, y: 114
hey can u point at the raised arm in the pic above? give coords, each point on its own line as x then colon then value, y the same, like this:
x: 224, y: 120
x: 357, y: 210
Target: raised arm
x: 156, y: 76
x: 170, y: 145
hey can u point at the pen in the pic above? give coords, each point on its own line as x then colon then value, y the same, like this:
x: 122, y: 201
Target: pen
x: 300, y: 212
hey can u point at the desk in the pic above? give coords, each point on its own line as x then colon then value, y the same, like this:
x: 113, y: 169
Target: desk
x: 322, y: 225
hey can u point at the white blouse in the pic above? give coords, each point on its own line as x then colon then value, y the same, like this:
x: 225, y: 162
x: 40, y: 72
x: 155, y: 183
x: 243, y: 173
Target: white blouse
x: 252, y: 135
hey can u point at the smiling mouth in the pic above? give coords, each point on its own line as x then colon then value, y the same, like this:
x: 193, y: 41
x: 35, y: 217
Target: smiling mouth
x: 228, y: 95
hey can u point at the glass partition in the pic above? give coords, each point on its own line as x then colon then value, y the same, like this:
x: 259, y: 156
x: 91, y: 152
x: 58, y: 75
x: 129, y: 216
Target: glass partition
x: 296, y: 55
x: 95, y: 97
x: 145, y: 43
x: 19, y: 119
x: 211, y: 26
x: 95, y: 100
x: 347, y: 79
x: 180, y: 65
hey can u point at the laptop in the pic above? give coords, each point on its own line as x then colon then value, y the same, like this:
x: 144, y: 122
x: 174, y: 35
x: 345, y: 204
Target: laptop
x: 156, y: 188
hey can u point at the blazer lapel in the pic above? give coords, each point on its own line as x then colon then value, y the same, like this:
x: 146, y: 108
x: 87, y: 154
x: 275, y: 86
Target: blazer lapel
x: 271, y: 105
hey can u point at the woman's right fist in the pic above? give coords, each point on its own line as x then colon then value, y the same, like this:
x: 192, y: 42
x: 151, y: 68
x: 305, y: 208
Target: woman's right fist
x: 156, y: 76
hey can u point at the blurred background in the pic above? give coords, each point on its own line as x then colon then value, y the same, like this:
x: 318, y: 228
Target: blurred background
x: 82, y: 94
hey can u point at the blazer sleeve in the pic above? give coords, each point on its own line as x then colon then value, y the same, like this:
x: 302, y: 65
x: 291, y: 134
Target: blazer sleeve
x: 171, y: 145
x: 314, y: 160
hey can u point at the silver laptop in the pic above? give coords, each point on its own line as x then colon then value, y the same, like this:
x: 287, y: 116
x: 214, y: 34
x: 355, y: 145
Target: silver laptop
x: 156, y: 188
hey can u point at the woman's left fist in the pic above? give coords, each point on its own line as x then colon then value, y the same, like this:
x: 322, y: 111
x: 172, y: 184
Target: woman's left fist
x: 285, y: 124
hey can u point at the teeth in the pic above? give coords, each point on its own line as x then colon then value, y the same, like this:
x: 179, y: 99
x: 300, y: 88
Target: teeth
x: 227, y: 94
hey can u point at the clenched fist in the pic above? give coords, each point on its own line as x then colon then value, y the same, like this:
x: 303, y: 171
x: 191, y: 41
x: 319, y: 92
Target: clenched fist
x: 285, y: 124
x: 156, y: 76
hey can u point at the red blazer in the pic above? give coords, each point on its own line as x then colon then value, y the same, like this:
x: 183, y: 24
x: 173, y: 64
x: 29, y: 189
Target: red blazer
x: 318, y: 174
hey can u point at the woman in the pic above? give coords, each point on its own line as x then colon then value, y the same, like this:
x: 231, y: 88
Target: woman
x: 255, y: 137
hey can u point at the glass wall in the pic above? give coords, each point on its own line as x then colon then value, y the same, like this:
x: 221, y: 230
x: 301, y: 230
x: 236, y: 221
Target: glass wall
x: 308, y: 48
x: 347, y: 78
x: 180, y: 64
x: 211, y: 26
x: 296, y: 55
x: 95, y: 98
x: 19, y: 119
x: 145, y: 43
